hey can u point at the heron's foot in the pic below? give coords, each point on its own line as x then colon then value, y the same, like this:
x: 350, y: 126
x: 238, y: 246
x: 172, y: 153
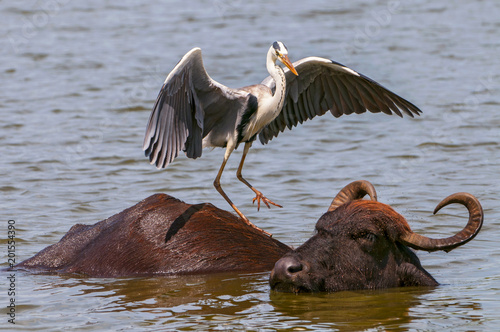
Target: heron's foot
x: 266, y: 201
x: 248, y: 222
x: 257, y: 228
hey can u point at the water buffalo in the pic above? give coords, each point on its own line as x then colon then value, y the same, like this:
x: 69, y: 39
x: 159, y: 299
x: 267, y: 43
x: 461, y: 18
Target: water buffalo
x: 364, y: 244
x: 159, y: 236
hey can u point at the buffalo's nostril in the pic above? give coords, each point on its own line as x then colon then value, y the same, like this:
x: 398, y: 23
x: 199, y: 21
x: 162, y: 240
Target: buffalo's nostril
x: 287, y: 267
x: 287, y: 273
x: 294, y: 267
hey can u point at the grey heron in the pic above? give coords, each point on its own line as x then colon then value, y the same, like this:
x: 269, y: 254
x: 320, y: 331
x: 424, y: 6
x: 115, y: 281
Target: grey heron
x: 192, y: 111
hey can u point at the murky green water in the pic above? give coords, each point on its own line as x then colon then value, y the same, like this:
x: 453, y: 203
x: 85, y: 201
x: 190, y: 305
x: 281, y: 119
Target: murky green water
x: 78, y: 81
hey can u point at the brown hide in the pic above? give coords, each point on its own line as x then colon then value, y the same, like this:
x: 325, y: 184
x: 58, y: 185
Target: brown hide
x: 160, y: 235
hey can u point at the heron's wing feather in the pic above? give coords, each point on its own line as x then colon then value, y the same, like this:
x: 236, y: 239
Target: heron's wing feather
x: 188, y: 105
x: 324, y: 85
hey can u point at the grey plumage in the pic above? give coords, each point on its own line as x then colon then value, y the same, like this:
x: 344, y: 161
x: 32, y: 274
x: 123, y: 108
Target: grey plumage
x: 189, y: 106
x: 325, y: 85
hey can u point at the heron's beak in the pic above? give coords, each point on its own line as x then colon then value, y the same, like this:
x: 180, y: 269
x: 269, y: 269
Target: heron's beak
x: 286, y: 61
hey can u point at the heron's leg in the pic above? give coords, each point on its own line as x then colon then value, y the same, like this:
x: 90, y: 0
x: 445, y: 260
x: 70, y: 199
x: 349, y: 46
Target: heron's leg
x: 217, y: 186
x: 259, y: 196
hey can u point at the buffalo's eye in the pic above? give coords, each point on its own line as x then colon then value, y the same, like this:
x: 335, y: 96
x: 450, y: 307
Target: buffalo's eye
x: 368, y: 241
x: 366, y: 236
x: 370, y: 237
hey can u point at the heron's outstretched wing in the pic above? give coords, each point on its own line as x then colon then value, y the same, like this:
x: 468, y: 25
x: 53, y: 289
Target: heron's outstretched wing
x: 189, y: 104
x: 325, y: 85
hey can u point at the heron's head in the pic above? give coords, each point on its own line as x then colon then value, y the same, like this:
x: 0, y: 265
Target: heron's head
x: 280, y: 52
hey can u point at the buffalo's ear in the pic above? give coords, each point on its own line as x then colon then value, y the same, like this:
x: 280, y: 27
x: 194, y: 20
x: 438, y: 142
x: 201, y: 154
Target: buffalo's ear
x: 411, y: 275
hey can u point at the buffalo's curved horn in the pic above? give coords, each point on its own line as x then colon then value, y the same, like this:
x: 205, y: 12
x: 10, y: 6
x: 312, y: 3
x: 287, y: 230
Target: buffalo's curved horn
x: 473, y: 226
x: 354, y: 190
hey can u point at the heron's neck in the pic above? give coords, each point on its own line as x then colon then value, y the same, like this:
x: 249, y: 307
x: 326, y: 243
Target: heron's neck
x: 278, y: 75
x: 270, y: 106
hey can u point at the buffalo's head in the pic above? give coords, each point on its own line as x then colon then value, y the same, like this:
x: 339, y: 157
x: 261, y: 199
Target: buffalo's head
x: 361, y: 244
